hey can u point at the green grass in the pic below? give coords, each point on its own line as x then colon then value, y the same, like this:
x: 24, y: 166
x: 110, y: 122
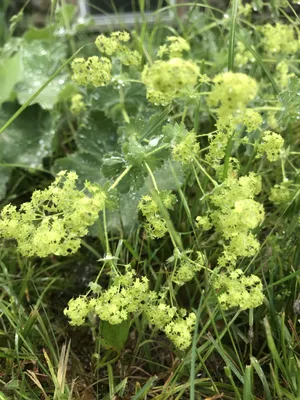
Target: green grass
x: 243, y: 355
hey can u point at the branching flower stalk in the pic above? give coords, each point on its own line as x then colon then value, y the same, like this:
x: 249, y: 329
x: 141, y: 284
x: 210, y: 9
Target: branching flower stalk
x: 230, y: 211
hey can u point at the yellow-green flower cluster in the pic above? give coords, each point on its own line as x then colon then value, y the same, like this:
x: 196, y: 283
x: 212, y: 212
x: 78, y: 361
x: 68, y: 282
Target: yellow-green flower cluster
x: 236, y: 213
x: 77, y: 104
x: 180, y: 331
x: 283, y: 75
x: 203, y: 222
x: 187, y: 268
x: 237, y: 290
x: 129, y: 294
x: 113, y: 46
x: 243, y: 244
x: 271, y: 144
x: 175, y: 47
x: 245, y: 9
x: 155, y: 224
x: 252, y: 120
x: 232, y: 171
x: 168, y: 80
x: 116, y: 303
x: 187, y: 149
x: 55, y: 219
x: 94, y: 70
x: 218, y: 141
x: 226, y: 126
x: 217, y: 149
x: 126, y: 295
x: 279, y: 38
x: 231, y: 93
x: 243, y: 56
x: 178, y: 326
x: 159, y: 313
x: 281, y: 194
x: 78, y: 310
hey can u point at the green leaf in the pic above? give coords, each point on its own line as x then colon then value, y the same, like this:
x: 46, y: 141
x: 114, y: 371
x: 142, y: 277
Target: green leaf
x: 85, y: 165
x: 115, y: 336
x: 28, y: 139
x: 25, y: 142
x: 5, y: 174
x: 146, y: 124
x: 125, y: 218
x: 10, y: 74
x: 107, y: 99
x: 97, y: 136
x: 164, y: 177
x: 133, y: 129
x: 41, y: 59
x: 65, y: 15
x: 44, y: 34
x: 290, y: 100
x: 69, y: 90
x: 12, y: 384
x: 114, y: 164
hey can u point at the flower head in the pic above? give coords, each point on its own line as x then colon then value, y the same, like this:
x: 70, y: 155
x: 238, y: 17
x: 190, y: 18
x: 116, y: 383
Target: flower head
x: 232, y: 92
x: 94, y: 70
x: 168, y: 80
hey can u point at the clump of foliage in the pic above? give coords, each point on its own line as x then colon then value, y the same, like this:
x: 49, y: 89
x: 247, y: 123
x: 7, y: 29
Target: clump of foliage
x: 167, y: 166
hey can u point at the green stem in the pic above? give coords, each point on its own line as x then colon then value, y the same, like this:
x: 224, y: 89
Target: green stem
x: 266, y: 108
x: 67, y: 25
x: 152, y: 177
x: 120, y: 177
x: 197, y: 180
x: 91, y: 249
x: 52, y: 12
x: 184, y: 114
x: 108, y: 252
x: 172, y: 232
x: 283, y: 170
x: 215, y: 183
x: 227, y: 156
x: 164, y: 146
x: 123, y: 109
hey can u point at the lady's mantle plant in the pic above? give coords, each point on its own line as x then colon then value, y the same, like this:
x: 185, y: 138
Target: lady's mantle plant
x: 228, y: 207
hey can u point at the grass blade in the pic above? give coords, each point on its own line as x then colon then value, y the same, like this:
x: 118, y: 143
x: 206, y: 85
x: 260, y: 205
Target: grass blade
x: 194, y: 353
x: 247, y: 394
x: 276, y: 357
x: 233, y: 24
x: 262, y: 377
x: 145, y: 389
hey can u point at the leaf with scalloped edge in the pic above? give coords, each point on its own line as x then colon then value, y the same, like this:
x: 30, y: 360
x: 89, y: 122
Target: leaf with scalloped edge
x: 27, y: 141
x: 10, y: 73
x: 98, y: 136
x: 40, y: 60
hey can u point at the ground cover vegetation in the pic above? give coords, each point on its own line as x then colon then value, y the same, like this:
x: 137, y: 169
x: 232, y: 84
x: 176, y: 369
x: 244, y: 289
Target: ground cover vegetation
x: 150, y: 205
